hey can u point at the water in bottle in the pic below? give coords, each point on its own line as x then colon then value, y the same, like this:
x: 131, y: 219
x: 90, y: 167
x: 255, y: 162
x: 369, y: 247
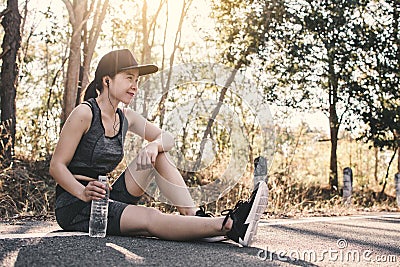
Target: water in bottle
x: 99, y: 213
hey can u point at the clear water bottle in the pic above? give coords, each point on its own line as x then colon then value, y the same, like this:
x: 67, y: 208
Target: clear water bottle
x: 99, y: 213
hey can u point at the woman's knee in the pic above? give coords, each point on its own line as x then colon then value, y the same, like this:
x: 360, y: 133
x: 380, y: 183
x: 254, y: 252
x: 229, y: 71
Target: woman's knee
x: 135, y: 185
x: 153, y: 214
x: 161, y: 156
x: 135, y: 219
x: 164, y: 158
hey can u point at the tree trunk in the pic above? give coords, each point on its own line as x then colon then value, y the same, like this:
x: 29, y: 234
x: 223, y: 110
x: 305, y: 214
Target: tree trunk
x: 386, y: 176
x: 161, y: 107
x: 90, y: 45
x: 11, y: 23
x: 333, y: 175
x: 333, y: 124
x: 215, y: 112
x: 146, y: 52
x: 77, y: 19
x: 376, y: 166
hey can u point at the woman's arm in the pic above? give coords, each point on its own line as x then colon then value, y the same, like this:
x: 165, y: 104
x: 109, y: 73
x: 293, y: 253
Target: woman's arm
x: 76, y: 125
x: 159, y: 141
x: 149, y: 131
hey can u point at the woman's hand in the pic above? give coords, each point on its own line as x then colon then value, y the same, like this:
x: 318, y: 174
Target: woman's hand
x: 94, y: 190
x: 147, y: 156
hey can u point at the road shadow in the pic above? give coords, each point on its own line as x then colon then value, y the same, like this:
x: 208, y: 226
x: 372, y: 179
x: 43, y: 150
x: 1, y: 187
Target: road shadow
x: 128, y: 251
x: 361, y: 240
x: 363, y: 228
x: 385, y: 220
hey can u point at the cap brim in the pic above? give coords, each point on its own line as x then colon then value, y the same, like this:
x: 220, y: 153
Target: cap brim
x: 143, y: 69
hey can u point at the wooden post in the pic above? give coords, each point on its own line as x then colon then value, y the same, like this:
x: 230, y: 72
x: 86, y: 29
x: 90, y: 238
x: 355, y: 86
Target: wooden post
x: 347, y: 185
x: 397, y: 185
x: 260, y: 170
x: 260, y: 174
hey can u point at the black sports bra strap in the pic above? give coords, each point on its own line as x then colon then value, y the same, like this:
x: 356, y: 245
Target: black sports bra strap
x: 87, y: 103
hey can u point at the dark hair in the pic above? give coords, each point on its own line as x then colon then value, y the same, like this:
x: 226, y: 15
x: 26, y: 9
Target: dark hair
x: 91, y: 90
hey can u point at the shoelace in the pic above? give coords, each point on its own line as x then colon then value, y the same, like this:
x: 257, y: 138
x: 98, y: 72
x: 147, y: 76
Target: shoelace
x: 227, y: 213
x: 202, y: 212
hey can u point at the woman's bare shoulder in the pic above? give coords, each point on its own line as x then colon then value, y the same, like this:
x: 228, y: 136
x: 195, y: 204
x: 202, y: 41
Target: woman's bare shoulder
x: 82, y: 111
x: 80, y: 117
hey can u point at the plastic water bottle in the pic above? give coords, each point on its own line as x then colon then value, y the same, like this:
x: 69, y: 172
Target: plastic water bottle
x: 99, y: 213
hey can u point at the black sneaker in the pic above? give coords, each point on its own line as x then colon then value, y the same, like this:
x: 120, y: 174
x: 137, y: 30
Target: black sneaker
x: 246, y: 215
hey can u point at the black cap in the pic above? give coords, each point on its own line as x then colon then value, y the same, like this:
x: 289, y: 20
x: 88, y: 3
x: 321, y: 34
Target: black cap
x: 121, y: 60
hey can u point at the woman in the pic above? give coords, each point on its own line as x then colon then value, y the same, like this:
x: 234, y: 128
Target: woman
x: 90, y: 145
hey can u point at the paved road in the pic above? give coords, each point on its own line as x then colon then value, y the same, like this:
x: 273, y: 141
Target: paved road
x: 363, y: 240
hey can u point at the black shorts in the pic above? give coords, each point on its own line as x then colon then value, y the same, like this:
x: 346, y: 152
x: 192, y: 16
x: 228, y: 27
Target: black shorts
x: 73, y: 214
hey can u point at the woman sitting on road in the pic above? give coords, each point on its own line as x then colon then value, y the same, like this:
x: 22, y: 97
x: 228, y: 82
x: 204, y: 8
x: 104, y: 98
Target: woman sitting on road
x: 90, y: 145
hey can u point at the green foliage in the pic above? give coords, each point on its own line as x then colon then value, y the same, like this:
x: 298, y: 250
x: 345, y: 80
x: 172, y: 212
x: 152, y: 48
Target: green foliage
x: 314, y: 46
x: 41, y: 86
x: 379, y: 88
x: 242, y: 26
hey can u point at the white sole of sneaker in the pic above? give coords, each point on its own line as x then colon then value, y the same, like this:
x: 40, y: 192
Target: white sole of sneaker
x: 214, y: 239
x: 256, y: 211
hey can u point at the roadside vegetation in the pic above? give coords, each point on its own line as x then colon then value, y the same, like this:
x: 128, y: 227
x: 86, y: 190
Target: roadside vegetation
x: 297, y: 181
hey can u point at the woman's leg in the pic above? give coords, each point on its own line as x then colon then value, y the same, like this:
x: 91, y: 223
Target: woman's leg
x: 240, y: 224
x: 168, y: 179
x: 139, y: 220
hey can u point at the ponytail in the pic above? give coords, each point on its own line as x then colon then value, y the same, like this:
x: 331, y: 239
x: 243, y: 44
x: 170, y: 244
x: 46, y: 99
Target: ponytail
x: 91, y: 91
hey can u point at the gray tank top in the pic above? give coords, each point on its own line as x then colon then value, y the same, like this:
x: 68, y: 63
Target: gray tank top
x: 98, y: 154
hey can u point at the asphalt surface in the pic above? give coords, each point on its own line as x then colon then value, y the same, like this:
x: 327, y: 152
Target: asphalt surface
x: 362, y: 240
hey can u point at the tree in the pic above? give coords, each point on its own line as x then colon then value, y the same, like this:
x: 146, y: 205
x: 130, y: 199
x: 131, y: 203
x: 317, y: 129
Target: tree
x: 378, y: 92
x: 166, y: 84
x: 90, y: 38
x: 11, y: 23
x: 148, y: 26
x: 79, y: 14
x: 42, y: 58
x: 243, y: 26
x: 315, y: 50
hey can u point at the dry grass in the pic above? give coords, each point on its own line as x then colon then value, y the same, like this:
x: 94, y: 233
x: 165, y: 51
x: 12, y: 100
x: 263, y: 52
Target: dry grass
x: 26, y: 189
